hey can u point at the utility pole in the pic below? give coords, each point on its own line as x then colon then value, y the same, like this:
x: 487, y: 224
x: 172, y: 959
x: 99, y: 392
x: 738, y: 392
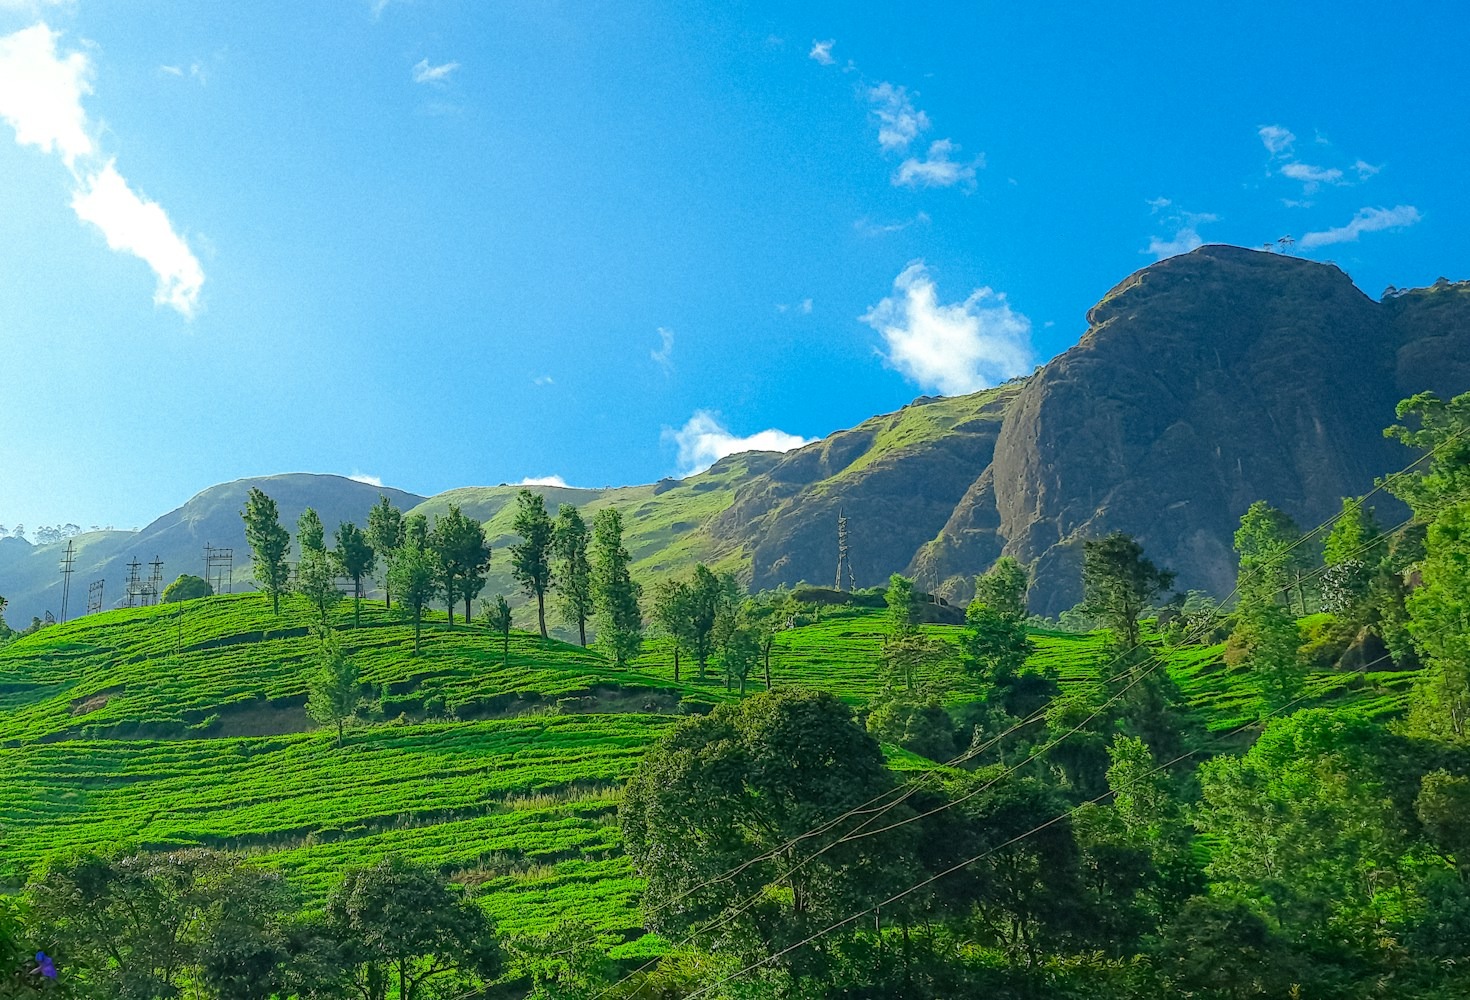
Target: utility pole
x: 844, y: 564
x: 66, y: 571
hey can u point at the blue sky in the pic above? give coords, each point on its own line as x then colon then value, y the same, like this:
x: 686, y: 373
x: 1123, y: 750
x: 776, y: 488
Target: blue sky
x: 446, y: 244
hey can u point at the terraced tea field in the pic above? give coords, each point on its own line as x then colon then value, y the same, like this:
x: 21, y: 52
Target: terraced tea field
x: 174, y: 726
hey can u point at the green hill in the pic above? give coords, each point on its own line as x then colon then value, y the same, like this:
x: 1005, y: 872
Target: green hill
x: 184, y: 725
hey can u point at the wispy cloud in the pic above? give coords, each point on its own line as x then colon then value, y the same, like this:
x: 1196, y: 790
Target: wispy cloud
x: 804, y: 307
x: 899, y: 122
x: 1185, y: 226
x: 363, y: 477
x: 937, y: 169
x: 704, y: 440
x: 822, y: 51
x: 195, y: 72
x: 41, y: 91
x: 1276, y: 139
x: 664, y: 356
x: 423, y: 72
x: 1311, y: 176
x: 543, y: 481
x: 953, y: 348
x: 867, y: 227
x: 542, y: 380
x: 1367, y: 220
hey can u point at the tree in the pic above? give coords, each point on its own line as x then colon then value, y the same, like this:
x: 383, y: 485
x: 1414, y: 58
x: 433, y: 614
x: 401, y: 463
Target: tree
x: 186, y: 588
x: 1443, y: 433
x: 269, y: 543
x: 614, y: 591
x: 673, y: 610
x: 334, y: 689
x: 995, y: 644
x: 1439, y: 613
x: 1118, y: 584
x: 385, y: 535
x: 1267, y: 637
x: 404, y: 933
x: 462, y: 556
x: 316, y: 580
x: 1271, y: 552
x: 573, y: 571
x: 742, y: 783
x: 414, y: 572
x: 497, y: 616
x: 531, y: 557
x: 356, y: 559
x: 1003, y: 587
x: 310, y: 536
x: 903, y: 606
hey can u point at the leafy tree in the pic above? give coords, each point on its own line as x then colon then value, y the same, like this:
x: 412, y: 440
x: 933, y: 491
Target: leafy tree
x: 316, y: 580
x: 573, y: 571
x: 385, y: 535
x: 1443, y: 807
x: 1003, y: 587
x: 903, y: 606
x: 462, y: 556
x: 673, y: 610
x: 921, y: 725
x: 1268, y: 543
x: 310, y: 535
x: 1267, y: 639
x: 334, y: 689
x: 909, y: 658
x: 497, y: 616
x: 1440, y: 623
x: 356, y: 559
x: 413, y: 573
x: 742, y: 783
x: 186, y: 588
x: 1443, y: 432
x: 1118, y: 585
x: 269, y: 543
x: 615, y: 592
x: 404, y: 933
x: 532, y: 557
x: 1220, y: 949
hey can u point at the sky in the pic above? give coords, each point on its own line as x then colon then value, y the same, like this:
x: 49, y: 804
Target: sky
x: 436, y: 244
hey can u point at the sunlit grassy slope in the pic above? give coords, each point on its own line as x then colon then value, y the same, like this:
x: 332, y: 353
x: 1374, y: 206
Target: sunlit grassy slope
x: 184, y: 725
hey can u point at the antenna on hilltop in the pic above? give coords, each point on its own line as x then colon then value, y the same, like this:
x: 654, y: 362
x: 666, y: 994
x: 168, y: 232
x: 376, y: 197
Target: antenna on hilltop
x: 66, y: 571
x: 843, y: 562
x: 219, y: 568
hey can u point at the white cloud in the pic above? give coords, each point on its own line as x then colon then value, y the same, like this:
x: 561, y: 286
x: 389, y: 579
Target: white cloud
x: 1157, y: 205
x: 806, y: 307
x: 867, y: 227
x: 543, y: 380
x: 1365, y: 169
x: 1276, y: 139
x: 899, y: 122
x: 937, y: 169
x: 822, y: 51
x: 41, y: 90
x: 1367, y: 220
x: 953, y: 348
x: 135, y: 225
x: 424, y: 73
x: 41, y: 93
x: 1311, y: 176
x: 664, y: 356
x: 363, y: 477
x: 543, y: 481
x: 704, y: 440
x: 1186, y: 230
x: 196, y: 72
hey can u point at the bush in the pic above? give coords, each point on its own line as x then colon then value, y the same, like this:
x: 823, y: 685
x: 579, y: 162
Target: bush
x: 1325, y: 638
x: 186, y: 588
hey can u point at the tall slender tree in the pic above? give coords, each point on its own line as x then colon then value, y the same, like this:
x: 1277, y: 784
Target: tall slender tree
x: 269, y: 543
x: 573, y: 570
x: 497, y: 616
x: 413, y: 572
x: 1119, y: 583
x: 333, y: 691
x: 673, y: 610
x: 356, y: 559
x: 385, y: 535
x: 615, y: 592
x: 531, y: 557
x: 310, y: 535
x: 462, y: 555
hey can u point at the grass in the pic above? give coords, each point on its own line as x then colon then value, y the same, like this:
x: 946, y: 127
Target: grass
x: 183, y: 725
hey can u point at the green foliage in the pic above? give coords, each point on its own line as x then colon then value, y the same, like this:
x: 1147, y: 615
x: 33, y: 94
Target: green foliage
x: 917, y: 724
x: 1443, y: 434
x: 497, y: 616
x: 356, y: 559
x: 615, y: 592
x: 334, y: 689
x: 573, y: 570
x: 316, y: 580
x: 1002, y: 589
x: 405, y: 934
x: 462, y: 557
x: 187, y: 588
x: 1118, y: 584
x: 414, y: 573
x: 385, y: 535
x: 1272, y: 556
x: 532, y: 558
x: 310, y: 535
x: 903, y: 606
x: 1440, y: 624
x: 1266, y: 640
x: 269, y: 543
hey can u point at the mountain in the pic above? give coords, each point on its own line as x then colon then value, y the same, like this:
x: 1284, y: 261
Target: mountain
x: 1203, y: 383
x: 30, y: 575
